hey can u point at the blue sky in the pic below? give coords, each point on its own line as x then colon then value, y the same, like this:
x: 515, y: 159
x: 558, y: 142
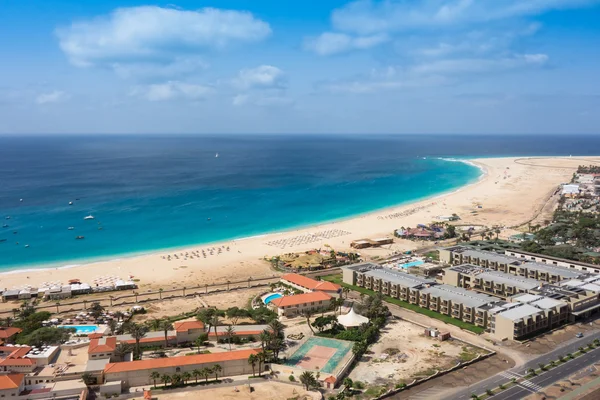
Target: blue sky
x: 367, y: 66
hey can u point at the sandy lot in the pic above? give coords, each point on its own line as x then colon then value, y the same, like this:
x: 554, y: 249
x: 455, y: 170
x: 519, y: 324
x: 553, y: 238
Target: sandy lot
x: 261, y: 391
x: 403, y: 352
x: 512, y: 191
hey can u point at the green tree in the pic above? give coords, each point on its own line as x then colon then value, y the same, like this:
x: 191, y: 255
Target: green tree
x: 154, y: 375
x: 166, y: 326
x: 186, y: 376
x: 230, y: 333
x: 196, y: 374
x: 96, y: 310
x: 308, y: 380
x: 205, y: 373
x: 252, y: 360
x: 216, y: 369
x: 200, y: 340
x: 138, y: 332
x: 121, y: 350
x: 88, y: 379
x: 166, y: 379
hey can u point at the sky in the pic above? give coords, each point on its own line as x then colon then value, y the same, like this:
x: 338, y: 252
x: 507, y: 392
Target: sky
x: 281, y: 66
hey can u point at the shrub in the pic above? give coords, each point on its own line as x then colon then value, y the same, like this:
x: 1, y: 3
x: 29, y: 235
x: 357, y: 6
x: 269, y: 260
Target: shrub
x: 292, y: 379
x: 358, y: 385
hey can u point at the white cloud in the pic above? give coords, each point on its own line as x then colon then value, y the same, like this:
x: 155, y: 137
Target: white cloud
x: 150, y: 37
x: 180, y: 66
x: 264, y: 76
x: 173, y: 90
x: 55, y: 96
x: 478, y: 65
x: 369, y: 17
x: 535, y: 58
x: 331, y: 43
x: 262, y: 100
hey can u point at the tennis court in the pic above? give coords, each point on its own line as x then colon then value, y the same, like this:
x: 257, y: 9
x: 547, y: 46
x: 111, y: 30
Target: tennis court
x: 319, y: 353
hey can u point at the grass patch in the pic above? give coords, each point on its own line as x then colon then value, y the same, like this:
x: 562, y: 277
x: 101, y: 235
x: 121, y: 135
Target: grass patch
x: 434, y: 255
x: 468, y: 354
x: 413, y: 307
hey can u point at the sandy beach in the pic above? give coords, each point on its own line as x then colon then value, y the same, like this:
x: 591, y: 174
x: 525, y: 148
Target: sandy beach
x: 512, y: 191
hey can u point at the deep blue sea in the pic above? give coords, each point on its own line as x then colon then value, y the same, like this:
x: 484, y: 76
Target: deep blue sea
x: 163, y: 191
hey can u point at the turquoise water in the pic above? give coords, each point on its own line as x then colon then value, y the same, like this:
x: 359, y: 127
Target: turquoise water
x: 342, y: 348
x: 81, y: 329
x: 272, y: 297
x: 412, y: 264
x: 160, y: 192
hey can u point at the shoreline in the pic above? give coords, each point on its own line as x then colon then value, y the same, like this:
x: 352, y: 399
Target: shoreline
x: 507, y: 194
x: 123, y: 256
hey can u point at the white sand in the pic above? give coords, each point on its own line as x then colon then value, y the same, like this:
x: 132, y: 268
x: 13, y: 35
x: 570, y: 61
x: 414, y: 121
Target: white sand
x: 505, y: 201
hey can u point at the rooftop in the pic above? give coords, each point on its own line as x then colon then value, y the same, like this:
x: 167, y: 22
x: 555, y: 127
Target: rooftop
x: 551, y: 269
x: 184, y: 326
x: 197, y: 359
x: 300, y: 299
x: 7, y: 332
x: 459, y: 295
x: 509, y: 279
x: 103, y: 345
x: 309, y: 283
x: 12, y: 381
x: 397, y: 277
x: 520, y: 312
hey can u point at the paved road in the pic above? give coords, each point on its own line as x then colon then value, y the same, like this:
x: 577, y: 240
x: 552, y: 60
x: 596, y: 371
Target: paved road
x: 537, y: 383
x: 504, y: 377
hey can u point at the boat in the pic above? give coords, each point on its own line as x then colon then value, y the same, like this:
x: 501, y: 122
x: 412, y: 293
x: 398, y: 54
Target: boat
x: 89, y: 217
x: 5, y: 226
x: 71, y: 228
x: 8, y: 217
x: 70, y: 203
x: 26, y: 245
x: 217, y: 155
x: 80, y: 237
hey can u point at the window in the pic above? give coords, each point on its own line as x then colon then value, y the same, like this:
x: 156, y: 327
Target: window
x: 177, y: 369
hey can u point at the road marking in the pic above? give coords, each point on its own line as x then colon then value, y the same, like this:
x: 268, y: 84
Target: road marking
x: 525, y: 383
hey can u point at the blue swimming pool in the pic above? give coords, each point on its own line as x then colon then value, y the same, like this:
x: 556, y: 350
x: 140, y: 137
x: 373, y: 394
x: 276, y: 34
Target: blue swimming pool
x: 81, y: 329
x: 411, y: 264
x: 272, y: 297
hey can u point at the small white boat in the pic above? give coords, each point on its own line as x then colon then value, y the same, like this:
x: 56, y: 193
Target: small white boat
x: 89, y: 217
x: 71, y: 228
x: 70, y: 203
x: 217, y: 155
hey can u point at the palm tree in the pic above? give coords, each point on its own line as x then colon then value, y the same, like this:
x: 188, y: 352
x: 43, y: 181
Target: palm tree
x: 229, y: 332
x: 307, y: 314
x: 252, y: 360
x: 277, y: 328
x: 265, y: 339
x: 196, y: 374
x: 183, y: 289
x: 160, y: 293
x: 176, y: 379
x: 166, y: 379
x: 308, y: 379
x: 345, y: 292
x: 205, y: 373
x: 7, y: 322
x: 154, y: 376
x: 112, y: 325
x: 57, y: 305
x: 261, y: 359
x: 186, y: 376
x: 214, y: 322
x: 201, y: 339
x: 215, y: 370
x: 111, y: 298
x: 154, y: 324
x: 138, y: 332
x: 121, y: 350
x: 166, y: 326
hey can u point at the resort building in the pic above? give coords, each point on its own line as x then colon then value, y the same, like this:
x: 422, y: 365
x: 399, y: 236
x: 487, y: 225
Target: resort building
x: 7, y: 334
x: 11, y: 385
x: 292, y: 306
x: 366, y: 243
x: 485, y: 280
x: 24, y: 359
x: 239, y: 331
x: 137, y: 373
x: 458, y: 255
x: 188, y: 331
x: 102, y: 348
x: 556, y: 261
x: 307, y: 284
x: 154, y: 338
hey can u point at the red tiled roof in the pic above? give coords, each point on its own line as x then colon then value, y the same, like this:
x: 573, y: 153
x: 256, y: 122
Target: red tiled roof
x: 7, y: 332
x: 103, y: 345
x: 236, y: 333
x: 12, y: 381
x: 310, y: 283
x: 184, y: 326
x: 16, y: 362
x: 145, y: 365
x: 300, y: 299
x: 95, y: 335
x: 330, y: 379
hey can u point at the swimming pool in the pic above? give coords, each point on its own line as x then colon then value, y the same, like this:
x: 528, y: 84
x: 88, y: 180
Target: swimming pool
x: 411, y: 264
x: 81, y: 329
x: 272, y: 297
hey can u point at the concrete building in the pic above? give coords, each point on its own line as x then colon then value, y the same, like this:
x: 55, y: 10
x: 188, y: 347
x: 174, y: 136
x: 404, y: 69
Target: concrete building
x: 102, y: 348
x: 556, y: 261
x: 458, y: 255
x: 137, y: 373
x: 307, y: 284
x: 11, y: 385
x: 188, y: 331
x: 240, y: 331
x: 292, y: 306
x: 485, y: 280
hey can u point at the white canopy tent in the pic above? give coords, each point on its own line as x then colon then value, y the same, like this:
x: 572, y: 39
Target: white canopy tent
x: 352, y: 319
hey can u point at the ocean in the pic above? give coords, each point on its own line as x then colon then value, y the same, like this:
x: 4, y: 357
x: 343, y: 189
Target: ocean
x: 165, y: 191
